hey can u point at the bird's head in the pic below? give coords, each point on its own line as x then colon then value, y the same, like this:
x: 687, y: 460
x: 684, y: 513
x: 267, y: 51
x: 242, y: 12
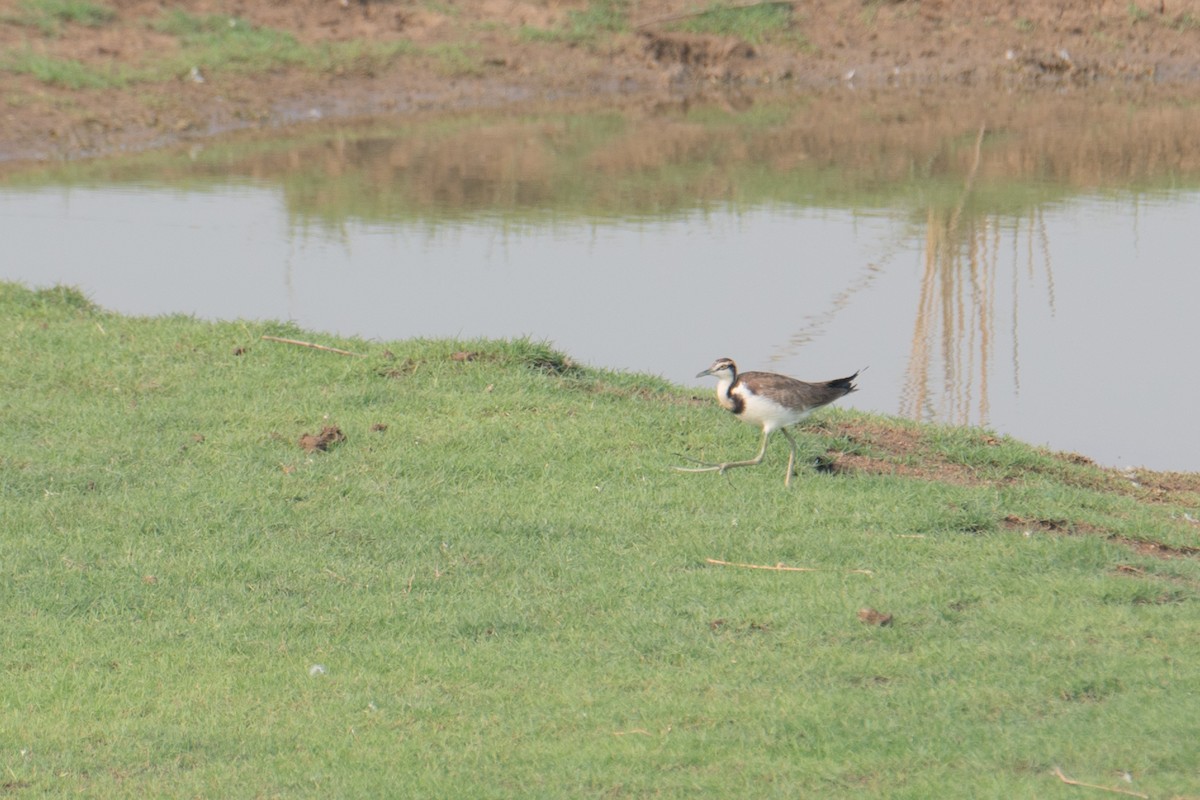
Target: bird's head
x: 723, y: 368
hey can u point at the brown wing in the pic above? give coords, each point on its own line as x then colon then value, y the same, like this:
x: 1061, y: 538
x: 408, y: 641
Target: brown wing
x: 795, y: 393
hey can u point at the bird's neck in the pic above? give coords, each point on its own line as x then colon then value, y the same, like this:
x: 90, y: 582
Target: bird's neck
x: 725, y: 397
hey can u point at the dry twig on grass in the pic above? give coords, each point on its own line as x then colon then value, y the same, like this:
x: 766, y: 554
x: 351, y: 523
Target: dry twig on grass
x: 1058, y: 771
x: 313, y: 346
x: 780, y: 567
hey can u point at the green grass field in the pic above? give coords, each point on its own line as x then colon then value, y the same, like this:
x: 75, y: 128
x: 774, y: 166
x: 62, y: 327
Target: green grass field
x: 496, y: 586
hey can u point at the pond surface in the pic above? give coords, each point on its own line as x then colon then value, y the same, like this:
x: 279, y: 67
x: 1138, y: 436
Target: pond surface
x: 1026, y: 266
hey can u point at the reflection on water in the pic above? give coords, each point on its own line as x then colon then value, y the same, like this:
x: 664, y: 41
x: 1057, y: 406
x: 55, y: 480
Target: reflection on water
x: 1009, y: 263
x: 955, y: 324
x: 954, y: 333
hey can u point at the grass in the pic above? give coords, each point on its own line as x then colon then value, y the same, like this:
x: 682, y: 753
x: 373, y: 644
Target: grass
x: 63, y: 72
x: 603, y: 17
x: 216, y: 43
x: 600, y: 16
x: 219, y: 43
x: 213, y: 38
x: 455, y: 60
x: 1186, y: 22
x: 497, y: 587
x: 1137, y: 13
x: 49, y: 16
x: 755, y: 23
x: 598, y: 19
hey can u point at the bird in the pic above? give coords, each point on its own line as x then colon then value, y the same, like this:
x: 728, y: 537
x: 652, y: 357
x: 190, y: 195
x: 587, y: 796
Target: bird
x: 771, y: 401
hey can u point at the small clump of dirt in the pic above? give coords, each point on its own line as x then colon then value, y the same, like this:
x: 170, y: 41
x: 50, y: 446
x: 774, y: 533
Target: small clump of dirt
x: 1014, y: 522
x: 871, y: 616
x: 400, y: 370
x: 328, y: 437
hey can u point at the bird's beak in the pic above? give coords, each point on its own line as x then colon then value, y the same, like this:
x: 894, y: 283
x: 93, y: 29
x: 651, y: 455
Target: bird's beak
x: 706, y: 372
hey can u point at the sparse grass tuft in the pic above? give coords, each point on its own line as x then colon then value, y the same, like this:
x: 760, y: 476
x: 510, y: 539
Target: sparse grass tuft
x: 752, y: 23
x: 599, y: 18
x: 1137, y: 14
x: 1186, y: 21
x: 218, y: 41
x: 67, y: 73
x: 495, y: 586
x: 49, y: 300
x: 65, y: 296
x: 49, y: 16
x: 454, y: 60
x: 541, y: 356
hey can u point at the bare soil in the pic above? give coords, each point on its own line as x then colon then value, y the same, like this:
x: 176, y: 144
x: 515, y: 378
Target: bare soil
x: 893, y: 449
x: 878, y: 448
x: 940, y: 47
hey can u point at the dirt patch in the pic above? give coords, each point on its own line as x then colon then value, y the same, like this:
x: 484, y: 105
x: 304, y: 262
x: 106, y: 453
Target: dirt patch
x: 1165, y: 484
x: 1013, y: 522
x: 893, y: 449
x: 460, y: 54
x: 1158, y: 549
x: 875, y: 448
x: 1175, y: 488
x: 872, y: 448
x: 1062, y: 527
x: 328, y: 437
x: 871, y: 616
x: 1178, y: 581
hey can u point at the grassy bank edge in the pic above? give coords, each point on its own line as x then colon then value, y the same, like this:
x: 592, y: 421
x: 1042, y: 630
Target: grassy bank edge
x: 497, y: 563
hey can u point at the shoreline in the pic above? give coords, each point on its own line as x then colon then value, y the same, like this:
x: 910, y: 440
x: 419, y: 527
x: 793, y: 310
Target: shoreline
x: 513, y: 55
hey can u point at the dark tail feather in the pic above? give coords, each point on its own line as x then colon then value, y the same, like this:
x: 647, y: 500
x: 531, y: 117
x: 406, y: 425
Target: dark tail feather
x: 846, y: 385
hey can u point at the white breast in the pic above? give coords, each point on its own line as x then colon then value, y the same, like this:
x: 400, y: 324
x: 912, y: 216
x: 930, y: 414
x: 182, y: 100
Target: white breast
x: 768, y: 414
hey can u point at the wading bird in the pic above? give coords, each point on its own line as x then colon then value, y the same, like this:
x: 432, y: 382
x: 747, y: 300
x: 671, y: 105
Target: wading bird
x: 771, y: 401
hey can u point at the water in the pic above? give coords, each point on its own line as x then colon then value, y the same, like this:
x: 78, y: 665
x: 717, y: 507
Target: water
x: 1061, y: 314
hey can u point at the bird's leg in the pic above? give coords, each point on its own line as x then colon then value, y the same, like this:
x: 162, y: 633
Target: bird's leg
x: 731, y: 464
x: 787, y: 478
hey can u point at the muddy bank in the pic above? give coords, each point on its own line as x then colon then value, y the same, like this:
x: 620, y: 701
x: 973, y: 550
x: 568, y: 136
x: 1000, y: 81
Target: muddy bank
x: 501, y: 53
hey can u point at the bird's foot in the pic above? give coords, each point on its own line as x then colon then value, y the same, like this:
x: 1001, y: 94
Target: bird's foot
x: 704, y: 466
x: 708, y: 466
